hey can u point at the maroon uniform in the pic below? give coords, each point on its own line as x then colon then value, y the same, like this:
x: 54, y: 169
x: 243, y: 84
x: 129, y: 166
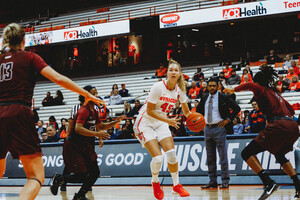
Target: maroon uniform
x: 280, y: 134
x: 17, y: 80
x: 79, y: 150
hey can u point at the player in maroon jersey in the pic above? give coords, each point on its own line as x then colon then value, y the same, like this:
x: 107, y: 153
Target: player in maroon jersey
x: 278, y: 136
x: 17, y: 80
x: 79, y: 149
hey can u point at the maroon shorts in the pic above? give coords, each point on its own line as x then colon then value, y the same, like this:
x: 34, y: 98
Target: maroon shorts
x: 78, y: 157
x: 17, y: 132
x: 278, y: 136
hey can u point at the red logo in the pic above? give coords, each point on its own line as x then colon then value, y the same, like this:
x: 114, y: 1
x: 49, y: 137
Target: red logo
x: 169, y: 19
x: 231, y: 13
x: 70, y: 35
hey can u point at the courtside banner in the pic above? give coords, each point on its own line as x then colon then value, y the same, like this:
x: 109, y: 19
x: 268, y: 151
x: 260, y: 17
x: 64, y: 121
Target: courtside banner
x: 232, y: 12
x: 131, y: 160
x: 78, y: 33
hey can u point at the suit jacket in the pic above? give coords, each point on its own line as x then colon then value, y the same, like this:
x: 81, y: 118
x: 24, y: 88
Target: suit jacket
x: 225, y: 102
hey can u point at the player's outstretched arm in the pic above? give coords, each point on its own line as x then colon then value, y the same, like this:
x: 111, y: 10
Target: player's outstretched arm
x: 79, y: 128
x: 67, y: 83
x: 185, y: 109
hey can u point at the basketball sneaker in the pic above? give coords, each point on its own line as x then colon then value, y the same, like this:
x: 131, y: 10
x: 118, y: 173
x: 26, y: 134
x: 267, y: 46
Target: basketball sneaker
x: 157, y: 191
x: 297, y: 195
x: 178, y: 189
x: 268, y: 190
x: 77, y: 197
x: 56, y: 181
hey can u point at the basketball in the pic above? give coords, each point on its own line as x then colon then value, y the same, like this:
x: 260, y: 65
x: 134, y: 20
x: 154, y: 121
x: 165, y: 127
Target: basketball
x: 195, y: 122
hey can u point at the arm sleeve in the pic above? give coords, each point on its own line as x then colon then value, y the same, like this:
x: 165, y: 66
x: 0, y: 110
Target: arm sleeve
x: 82, y: 116
x: 289, y: 107
x: 38, y: 63
x: 154, y: 94
x: 235, y: 108
x: 255, y: 88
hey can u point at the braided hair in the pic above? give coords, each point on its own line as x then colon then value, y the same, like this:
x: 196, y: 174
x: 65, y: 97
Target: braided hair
x: 266, y: 77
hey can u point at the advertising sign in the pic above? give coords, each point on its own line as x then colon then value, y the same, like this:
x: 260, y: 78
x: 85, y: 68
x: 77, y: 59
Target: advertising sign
x: 131, y: 160
x: 78, y: 33
x: 232, y: 12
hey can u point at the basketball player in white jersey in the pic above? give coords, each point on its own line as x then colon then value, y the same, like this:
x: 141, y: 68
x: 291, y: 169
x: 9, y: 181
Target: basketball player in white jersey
x: 152, y: 126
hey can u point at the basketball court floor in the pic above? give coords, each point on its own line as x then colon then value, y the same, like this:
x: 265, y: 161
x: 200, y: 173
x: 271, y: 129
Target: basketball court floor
x: 145, y: 193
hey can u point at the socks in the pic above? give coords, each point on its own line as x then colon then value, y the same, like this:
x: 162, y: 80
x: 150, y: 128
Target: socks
x: 175, y: 178
x: 265, y: 178
x: 155, y: 178
x: 296, y: 182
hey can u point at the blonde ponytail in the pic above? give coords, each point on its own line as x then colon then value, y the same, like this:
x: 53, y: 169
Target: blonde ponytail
x: 180, y: 81
x: 13, y: 35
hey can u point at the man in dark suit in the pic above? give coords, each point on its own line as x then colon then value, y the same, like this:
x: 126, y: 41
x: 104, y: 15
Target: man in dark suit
x: 215, y: 107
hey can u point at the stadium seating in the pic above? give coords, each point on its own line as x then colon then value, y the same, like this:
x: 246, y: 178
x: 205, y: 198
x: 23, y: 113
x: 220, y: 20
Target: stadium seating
x: 136, y: 84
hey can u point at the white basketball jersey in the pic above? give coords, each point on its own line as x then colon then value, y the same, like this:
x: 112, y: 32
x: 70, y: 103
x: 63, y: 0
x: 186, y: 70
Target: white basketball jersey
x: 163, y: 98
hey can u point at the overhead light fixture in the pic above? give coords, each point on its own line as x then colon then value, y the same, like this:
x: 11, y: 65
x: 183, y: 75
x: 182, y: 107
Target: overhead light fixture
x: 194, y: 29
x: 231, y: 23
x: 178, y: 35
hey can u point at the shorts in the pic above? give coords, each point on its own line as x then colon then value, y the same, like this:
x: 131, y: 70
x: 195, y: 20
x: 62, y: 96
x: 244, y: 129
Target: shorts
x: 146, y: 129
x: 278, y: 136
x: 78, y: 157
x: 17, y: 131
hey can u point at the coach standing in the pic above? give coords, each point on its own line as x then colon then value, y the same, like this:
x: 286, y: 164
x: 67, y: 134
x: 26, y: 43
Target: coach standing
x: 215, y: 107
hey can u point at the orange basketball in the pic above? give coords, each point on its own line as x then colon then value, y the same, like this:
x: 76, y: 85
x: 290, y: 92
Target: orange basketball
x: 195, y: 122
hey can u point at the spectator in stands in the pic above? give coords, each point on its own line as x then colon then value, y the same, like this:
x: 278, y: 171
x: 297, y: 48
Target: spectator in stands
x: 195, y: 106
x: 257, y: 120
x: 246, y: 79
x: 238, y: 128
x: 52, y: 121
x: 290, y: 75
x: 48, y: 100
x: 44, y: 137
x: 295, y: 84
x: 64, y: 127
x: 58, y: 99
x: 161, y: 72
x: 234, y: 79
x: 245, y: 117
x: 127, y: 108
x: 247, y: 67
x: 115, y: 99
x: 186, y: 77
x: 221, y: 78
x: 123, y: 92
x: 246, y: 73
x: 53, y: 135
x: 295, y: 67
x: 282, y: 85
x: 40, y: 128
x: 115, y: 86
x: 198, y: 75
x: 127, y: 130
x: 203, y: 90
x: 273, y: 58
x: 288, y: 63
x: 227, y: 70
x: 194, y: 91
x: 135, y: 111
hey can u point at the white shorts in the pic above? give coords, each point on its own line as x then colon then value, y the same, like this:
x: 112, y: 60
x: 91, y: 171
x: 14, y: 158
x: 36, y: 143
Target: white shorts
x: 146, y: 129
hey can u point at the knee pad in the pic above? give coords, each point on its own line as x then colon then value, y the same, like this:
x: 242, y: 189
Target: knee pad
x: 156, y: 163
x: 281, y: 158
x: 171, y: 156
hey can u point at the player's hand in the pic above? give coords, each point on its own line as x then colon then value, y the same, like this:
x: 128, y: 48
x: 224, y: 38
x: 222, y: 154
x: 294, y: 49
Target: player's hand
x: 101, y: 143
x: 102, y: 135
x: 229, y: 90
x: 174, y: 122
x: 91, y: 97
x: 223, y: 123
x: 121, y: 118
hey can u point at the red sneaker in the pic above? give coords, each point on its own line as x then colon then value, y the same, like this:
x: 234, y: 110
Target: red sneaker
x: 157, y: 191
x: 179, y: 190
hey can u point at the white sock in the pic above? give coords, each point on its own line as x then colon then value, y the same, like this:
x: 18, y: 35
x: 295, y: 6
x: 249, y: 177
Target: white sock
x: 155, y: 178
x: 175, y: 178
